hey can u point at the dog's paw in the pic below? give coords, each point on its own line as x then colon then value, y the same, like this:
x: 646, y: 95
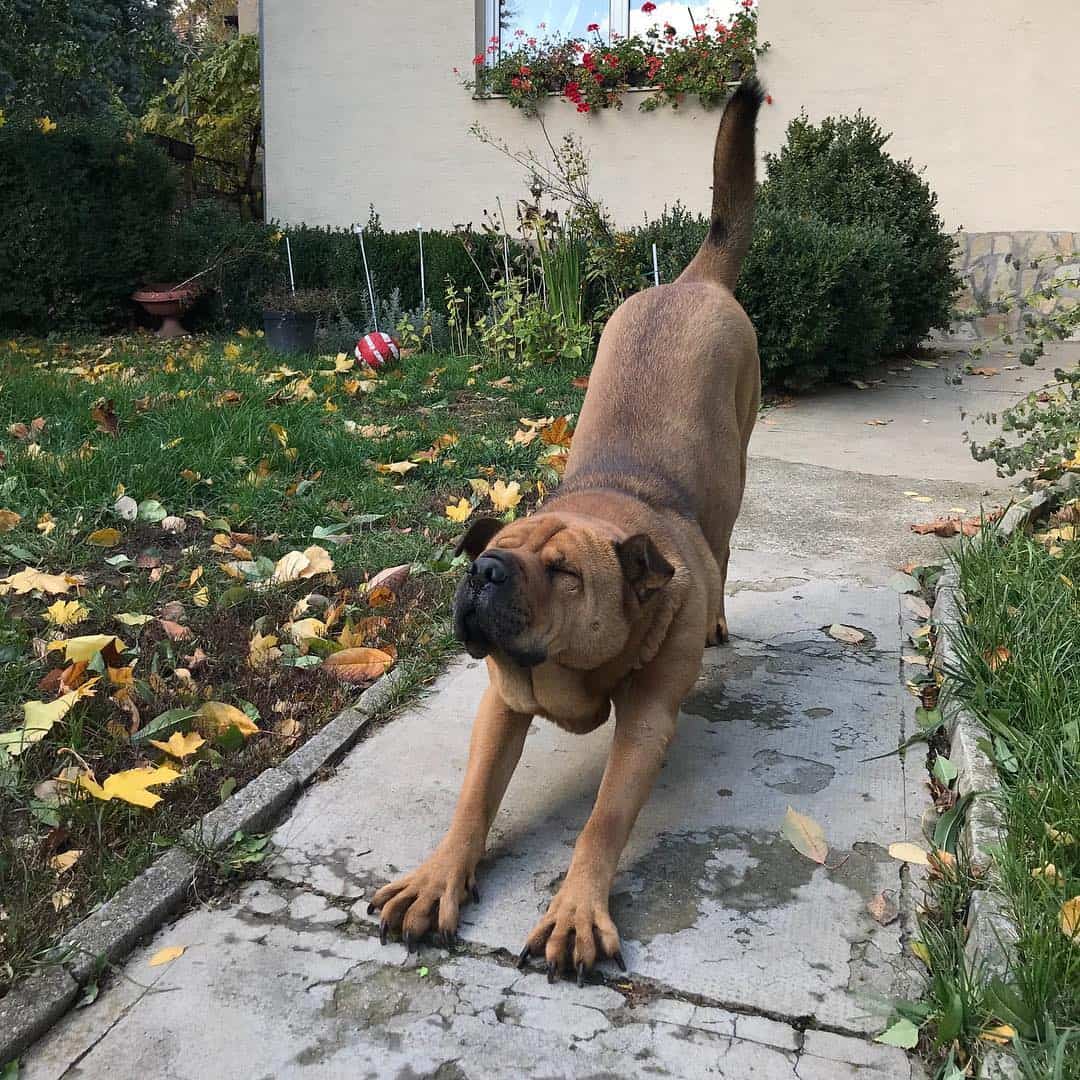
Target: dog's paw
x: 575, y: 933
x: 720, y: 635
x: 427, y: 899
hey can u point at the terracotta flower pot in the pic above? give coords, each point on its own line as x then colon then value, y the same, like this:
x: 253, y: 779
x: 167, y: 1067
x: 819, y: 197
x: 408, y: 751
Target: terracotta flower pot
x: 167, y: 303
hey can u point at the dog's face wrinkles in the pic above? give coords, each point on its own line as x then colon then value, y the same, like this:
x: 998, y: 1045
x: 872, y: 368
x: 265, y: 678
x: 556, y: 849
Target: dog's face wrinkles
x: 545, y: 588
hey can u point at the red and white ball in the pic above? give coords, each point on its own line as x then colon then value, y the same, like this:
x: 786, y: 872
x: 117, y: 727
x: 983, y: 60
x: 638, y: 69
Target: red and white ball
x: 377, y: 350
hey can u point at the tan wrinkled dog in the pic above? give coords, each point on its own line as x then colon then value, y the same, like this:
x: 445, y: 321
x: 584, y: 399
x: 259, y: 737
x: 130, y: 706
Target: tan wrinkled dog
x: 609, y: 592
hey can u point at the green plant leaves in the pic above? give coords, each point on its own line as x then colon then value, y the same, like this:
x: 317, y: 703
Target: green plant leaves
x: 903, y: 1034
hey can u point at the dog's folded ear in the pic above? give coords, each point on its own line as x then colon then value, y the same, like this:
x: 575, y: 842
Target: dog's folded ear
x: 645, y: 569
x: 480, y: 534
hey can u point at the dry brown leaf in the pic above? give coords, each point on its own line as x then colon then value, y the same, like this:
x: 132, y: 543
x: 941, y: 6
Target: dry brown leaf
x: 997, y: 657
x: 104, y: 416
x: 358, y: 665
x: 581, y: 382
x: 559, y: 433
x: 883, y: 908
x: 62, y: 898
x: 64, y: 861
x: 381, y: 596
x: 847, y: 634
x: 393, y: 577
x: 175, y: 631
x: 9, y: 520
x: 985, y: 372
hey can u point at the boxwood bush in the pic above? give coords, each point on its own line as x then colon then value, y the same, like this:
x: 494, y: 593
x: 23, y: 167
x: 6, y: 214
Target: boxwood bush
x: 839, y: 171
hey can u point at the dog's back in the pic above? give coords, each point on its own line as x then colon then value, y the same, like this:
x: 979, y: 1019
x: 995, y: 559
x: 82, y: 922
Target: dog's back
x: 674, y: 390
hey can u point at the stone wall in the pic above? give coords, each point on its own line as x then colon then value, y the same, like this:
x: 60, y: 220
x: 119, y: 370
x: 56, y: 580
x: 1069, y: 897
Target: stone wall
x: 995, y: 265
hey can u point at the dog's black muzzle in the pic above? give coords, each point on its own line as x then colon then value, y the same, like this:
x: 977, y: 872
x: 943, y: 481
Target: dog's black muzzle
x: 489, y: 611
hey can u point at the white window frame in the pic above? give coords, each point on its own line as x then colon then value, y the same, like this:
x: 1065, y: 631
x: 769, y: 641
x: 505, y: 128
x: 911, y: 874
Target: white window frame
x: 618, y: 23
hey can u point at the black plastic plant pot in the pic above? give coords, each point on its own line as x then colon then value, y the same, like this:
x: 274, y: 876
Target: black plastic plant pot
x: 289, y: 331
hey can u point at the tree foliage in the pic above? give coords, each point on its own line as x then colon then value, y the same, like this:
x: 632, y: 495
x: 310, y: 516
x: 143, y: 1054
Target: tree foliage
x: 84, y: 58
x: 215, y: 104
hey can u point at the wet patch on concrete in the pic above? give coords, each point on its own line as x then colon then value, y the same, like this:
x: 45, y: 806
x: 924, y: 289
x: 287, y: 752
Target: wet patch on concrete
x: 711, y: 700
x: 743, y: 871
x: 779, y: 584
x: 790, y: 774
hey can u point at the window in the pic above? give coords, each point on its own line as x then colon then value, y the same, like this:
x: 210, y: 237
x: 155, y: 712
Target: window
x: 509, y: 22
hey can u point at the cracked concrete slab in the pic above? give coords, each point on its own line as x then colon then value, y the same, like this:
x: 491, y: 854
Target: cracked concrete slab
x: 260, y: 994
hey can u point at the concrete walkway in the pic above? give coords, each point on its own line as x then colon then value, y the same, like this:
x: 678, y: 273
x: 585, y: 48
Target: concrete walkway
x: 746, y: 960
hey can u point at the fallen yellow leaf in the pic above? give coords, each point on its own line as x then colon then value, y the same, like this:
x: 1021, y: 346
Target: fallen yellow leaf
x: 805, y: 835
x: 222, y: 716
x: 62, y: 898
x: 480, y: 486
x: 171, y: 952
x: 910, y: 853
x: 1048, y: 873
x: 399, y: 467
x: 105, y: 538
x: 505, y: 496
x: 1000, y: 1036
x: 305, y: 629
x: 459, y: 511
x: 86, y: 648
x: 180, y: 745
x: 1069, y: 918
x: 29, y: 580
x: 64, y: 861
x: 131, y: 618
x: 65, y: 613
x: 39, y: 717
x: 919, y: 949
x: 201, y: 597
x: 262, y: 649
x: 131, y: 785
x: 302, y: 564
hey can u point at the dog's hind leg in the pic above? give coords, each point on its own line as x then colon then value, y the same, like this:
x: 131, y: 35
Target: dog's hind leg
x: 719, y: 634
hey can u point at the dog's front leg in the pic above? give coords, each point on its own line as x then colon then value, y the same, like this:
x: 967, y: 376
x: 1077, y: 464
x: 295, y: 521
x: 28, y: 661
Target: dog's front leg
x: 577, y: 925
x: 435, y: 890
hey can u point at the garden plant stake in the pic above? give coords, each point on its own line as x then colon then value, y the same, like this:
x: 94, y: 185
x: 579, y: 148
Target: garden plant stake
x: 367, y: 273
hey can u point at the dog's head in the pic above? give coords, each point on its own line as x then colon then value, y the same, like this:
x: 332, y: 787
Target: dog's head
x: 557, y: 586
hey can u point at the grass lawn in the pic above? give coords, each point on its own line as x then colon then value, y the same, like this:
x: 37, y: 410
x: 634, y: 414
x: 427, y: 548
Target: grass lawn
x: 230, y: 458
x: 1020, y: 673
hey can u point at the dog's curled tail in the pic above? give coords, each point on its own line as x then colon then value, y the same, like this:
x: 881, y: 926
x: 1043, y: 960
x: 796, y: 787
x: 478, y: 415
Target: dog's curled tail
x: 726, y: 243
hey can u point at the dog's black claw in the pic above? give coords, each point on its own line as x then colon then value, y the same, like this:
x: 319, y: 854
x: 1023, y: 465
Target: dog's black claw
x: 371, y: 909
x: 581, y: 975
x: 475, y: 894
x: 384, y: 932
x: 552, y: 971
x: 619, y: 960
x: 523, y: 958
x: 410, y: 945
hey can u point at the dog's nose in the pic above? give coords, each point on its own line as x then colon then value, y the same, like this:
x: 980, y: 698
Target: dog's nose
x: 490, y: 569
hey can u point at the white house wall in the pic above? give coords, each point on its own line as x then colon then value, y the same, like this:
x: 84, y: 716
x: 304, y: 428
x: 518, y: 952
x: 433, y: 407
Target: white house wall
x: 363, y: 107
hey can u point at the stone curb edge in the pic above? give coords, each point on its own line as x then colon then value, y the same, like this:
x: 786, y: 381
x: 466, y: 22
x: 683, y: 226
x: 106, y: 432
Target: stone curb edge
x: 144, y: 904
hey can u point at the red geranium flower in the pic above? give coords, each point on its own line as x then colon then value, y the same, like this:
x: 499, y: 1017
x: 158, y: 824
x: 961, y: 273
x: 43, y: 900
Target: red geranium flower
x: 515, y: 82
x: 588, y: 61
x: 648, y: 7
x: 592, y: 26
x: 599, y: 78
x: 478, y: 58
x: 525, y: 69
x: 583, y: 106
x: 610, y: 59
x: 768, y: 99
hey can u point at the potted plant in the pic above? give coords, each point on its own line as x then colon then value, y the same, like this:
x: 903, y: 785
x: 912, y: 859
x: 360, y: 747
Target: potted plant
x: 290, y: 316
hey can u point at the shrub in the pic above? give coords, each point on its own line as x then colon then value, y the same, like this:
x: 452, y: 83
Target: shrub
x: 839, y: 171
x: 818, y: 294
x: 83, y: 211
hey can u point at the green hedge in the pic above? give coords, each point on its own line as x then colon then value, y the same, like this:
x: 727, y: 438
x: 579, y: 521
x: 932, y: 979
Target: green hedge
x: 252, y: 261
x: 83, y: 213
